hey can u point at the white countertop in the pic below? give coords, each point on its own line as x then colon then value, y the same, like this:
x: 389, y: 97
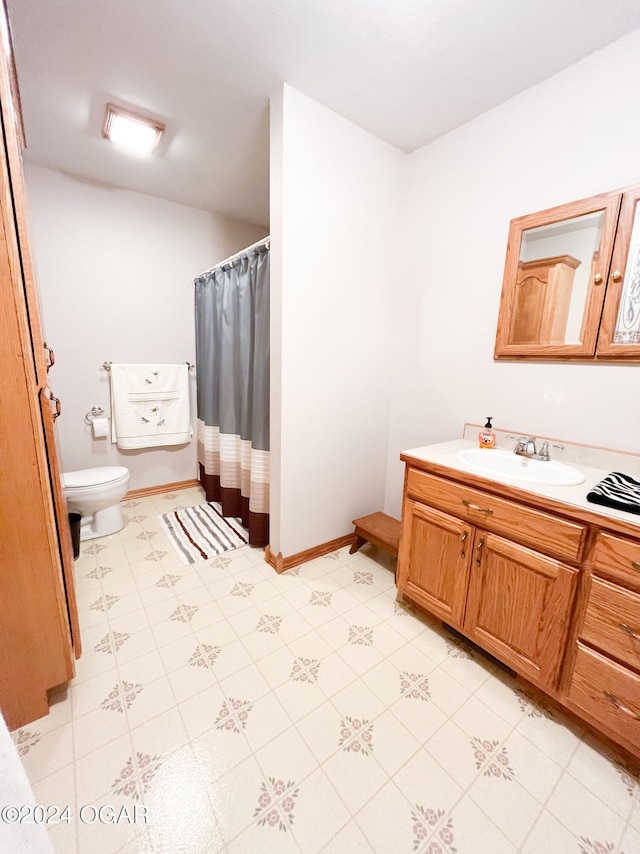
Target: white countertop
x: 444, y: 454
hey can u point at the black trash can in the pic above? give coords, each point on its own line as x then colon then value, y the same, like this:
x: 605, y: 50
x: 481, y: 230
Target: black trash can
x: 74, y: 525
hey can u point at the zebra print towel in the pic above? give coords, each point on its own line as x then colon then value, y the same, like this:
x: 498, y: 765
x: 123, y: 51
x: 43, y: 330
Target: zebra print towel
x: 617, y: 490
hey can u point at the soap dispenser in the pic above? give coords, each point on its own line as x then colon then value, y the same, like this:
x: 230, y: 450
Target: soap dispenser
x: 486, y: 437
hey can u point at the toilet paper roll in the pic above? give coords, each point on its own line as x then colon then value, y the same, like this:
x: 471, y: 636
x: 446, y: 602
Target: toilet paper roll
x: 100, y: 427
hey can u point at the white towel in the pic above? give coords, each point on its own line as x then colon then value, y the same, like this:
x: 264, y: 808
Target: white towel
x: 150, y: 405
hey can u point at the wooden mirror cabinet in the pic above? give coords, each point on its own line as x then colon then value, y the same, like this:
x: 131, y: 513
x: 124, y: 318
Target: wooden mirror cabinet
x: 571, y: 287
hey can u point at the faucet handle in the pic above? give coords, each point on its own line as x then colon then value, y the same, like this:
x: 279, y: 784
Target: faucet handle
x: 544, y: 451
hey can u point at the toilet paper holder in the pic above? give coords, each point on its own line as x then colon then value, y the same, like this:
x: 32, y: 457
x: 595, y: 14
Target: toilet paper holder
x: 94, y: 412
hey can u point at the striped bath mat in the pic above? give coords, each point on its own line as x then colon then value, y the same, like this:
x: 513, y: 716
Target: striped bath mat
x: 202, y: 532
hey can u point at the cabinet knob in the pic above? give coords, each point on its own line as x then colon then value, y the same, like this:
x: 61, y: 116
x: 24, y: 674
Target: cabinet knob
x: 58, y: 408
x: 597, y: 279
x: 616, y: 275
x: 635, y: 564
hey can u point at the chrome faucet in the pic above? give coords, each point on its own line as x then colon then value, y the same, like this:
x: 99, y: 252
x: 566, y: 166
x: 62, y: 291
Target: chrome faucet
x: 526, y: 447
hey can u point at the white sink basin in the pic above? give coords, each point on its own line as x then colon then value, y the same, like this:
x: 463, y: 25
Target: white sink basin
x: 506, y: 464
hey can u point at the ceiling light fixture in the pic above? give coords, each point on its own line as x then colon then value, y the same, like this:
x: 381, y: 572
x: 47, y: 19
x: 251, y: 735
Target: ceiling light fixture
x: 131, y: 129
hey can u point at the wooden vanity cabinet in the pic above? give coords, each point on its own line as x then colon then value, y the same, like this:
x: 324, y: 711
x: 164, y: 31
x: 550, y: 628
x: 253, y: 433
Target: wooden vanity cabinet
x: 604, y: 684
x: 476, y: 581
x: 554, y: 597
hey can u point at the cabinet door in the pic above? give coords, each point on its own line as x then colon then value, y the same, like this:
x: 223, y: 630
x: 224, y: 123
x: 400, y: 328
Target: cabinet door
x: 620, y: 329
x: 519, y: 606
x: 434, y: 560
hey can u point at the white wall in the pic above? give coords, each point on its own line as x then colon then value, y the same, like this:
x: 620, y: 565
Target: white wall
x: 386, y: 277
x: 570, y: 137
x: 115, y: 270
x: 334, y: 213
x: 276, y: 214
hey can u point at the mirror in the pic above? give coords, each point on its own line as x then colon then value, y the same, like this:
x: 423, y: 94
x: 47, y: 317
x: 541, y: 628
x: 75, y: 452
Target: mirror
x: 555, y: 271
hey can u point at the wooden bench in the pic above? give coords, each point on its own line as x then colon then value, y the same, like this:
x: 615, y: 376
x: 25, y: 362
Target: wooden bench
x: 377, y: 528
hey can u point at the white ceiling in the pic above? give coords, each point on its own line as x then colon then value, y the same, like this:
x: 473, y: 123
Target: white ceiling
x: 406, y: 70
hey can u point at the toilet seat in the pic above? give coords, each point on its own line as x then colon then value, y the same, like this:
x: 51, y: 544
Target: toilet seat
x: 90, y: 478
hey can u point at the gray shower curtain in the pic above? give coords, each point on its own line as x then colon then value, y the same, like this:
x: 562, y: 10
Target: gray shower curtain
x: 232, y: 356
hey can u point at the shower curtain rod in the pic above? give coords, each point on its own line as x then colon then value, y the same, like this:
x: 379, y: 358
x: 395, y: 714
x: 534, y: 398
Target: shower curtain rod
x: 264, y: 242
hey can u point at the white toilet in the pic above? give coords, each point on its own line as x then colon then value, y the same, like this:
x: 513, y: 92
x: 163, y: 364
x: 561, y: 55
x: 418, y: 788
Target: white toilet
x: 96, y: 494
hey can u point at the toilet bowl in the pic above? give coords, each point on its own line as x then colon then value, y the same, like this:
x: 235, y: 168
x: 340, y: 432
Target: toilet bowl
x: 96, y: 494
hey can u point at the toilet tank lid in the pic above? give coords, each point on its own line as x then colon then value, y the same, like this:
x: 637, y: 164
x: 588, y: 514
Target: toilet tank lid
x: 94, y: 477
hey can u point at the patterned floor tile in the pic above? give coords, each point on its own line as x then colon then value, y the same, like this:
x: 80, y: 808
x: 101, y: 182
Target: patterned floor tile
x: 320, y: 814
x: 160, y: 736
x: 301, y: 693
x: 311, y: 711
x: 96, y: 729
x: 239, y: 799
x: 268, y: 719
x: 58, y: 788
x: 350, y: 838
x: 98, y: 770
x: 455, y: 751
x: 552, y: 837
x: 630, y: 840
x: 353, y: 771
x: 497, y: 792
x: 424, y: 782
x: 606, y: 776
x: 199, y: 712
x: 471, y: 831
x: 287, y: 757
x: 584, y: 815
x: 179, y: 805
x: 424, y: 827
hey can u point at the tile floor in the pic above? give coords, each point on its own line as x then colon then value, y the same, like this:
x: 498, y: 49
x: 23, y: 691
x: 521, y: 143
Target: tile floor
x: 248, y: 712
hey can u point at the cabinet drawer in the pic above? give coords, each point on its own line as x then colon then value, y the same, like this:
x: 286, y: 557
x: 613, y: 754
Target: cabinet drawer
x: 543, y: 532
x: 612, y: 621
x: 619, y: 558
x: 608, y: 692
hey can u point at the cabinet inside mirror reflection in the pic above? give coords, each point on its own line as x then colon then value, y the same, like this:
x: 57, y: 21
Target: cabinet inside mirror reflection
x: 572, y: 281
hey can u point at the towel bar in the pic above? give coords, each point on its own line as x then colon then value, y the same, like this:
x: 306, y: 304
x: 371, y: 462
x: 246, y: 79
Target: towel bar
x: 107, y: 365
